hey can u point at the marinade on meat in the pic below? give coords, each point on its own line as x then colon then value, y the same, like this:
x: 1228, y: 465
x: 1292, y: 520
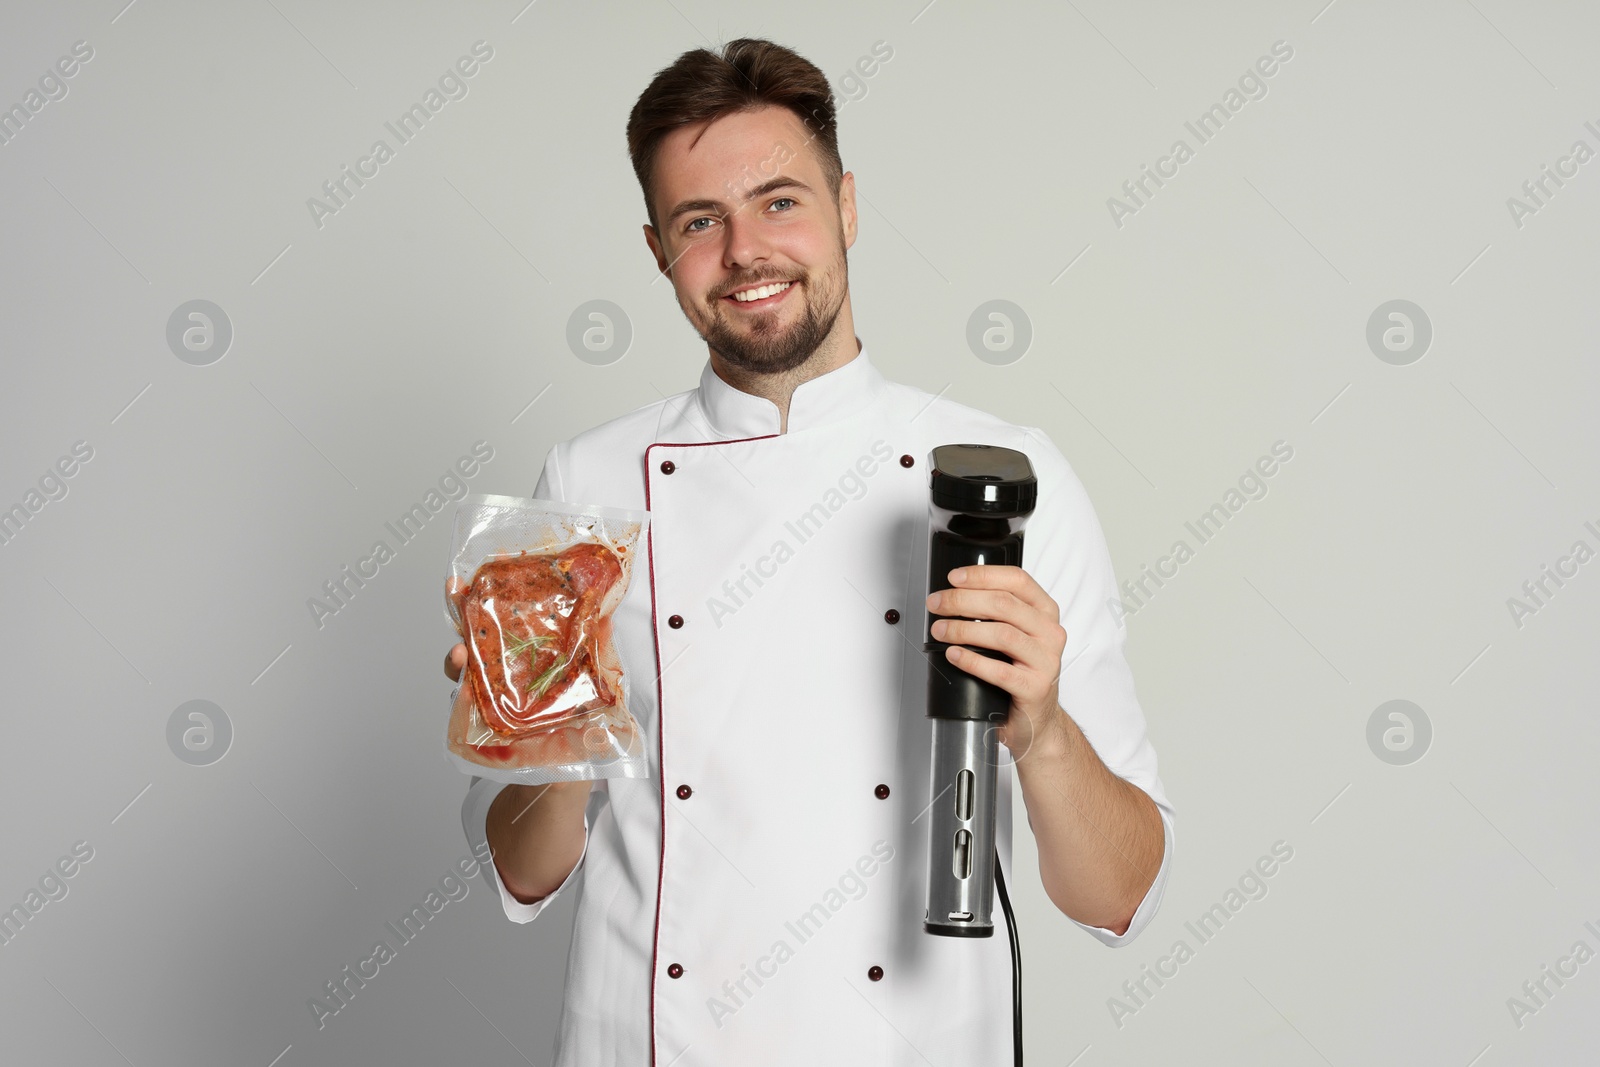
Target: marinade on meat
x: 533, y: 625
x: 531, y: 586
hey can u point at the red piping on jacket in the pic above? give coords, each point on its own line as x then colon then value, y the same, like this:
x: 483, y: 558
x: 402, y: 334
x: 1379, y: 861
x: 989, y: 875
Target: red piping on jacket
x: 661, y: 866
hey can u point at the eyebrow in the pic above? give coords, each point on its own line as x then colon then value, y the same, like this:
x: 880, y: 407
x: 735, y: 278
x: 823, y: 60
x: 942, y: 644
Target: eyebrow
x: 782, y: 181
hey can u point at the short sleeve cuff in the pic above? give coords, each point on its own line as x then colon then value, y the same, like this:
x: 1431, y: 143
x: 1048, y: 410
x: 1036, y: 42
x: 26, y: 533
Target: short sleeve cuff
x: 1152, y: 897
x: 474, y: 820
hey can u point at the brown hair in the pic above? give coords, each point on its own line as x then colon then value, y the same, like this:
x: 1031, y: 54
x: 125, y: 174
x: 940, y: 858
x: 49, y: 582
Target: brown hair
x: 702, y: 85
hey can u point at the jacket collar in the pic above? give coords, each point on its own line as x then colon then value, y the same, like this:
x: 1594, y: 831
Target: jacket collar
x: 827, y: 398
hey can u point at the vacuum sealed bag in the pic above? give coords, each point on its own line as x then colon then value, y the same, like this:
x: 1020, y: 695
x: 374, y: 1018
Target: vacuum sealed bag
x: 531, y: 588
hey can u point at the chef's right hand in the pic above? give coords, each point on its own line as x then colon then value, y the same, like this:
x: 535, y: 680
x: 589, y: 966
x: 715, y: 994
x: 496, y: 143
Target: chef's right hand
x: 454, y: 661
x: 456, y: 658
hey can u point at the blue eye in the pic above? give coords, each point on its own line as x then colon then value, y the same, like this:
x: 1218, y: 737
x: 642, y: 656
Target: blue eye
x: 783, y: 200
x: 691, y: 226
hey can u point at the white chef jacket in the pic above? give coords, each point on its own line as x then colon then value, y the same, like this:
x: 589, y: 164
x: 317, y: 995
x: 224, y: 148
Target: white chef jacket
x: 759, y: 898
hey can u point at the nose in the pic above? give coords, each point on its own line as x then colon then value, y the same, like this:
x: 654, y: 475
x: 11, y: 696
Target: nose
x: 744, y: 244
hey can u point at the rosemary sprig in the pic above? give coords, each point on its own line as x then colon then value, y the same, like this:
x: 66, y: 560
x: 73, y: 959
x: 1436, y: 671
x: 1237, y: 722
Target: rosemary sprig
x: 537, y: 688
x: 531, y: 641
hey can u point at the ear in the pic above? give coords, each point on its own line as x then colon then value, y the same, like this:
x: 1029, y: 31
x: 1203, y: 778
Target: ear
x: 654, y: 241
x: 847, y: 207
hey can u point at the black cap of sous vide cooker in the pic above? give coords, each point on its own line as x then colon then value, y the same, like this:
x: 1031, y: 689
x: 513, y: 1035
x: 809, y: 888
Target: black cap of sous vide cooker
x: 982, y: 480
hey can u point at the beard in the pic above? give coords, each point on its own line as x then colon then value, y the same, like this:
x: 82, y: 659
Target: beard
x: 762, y: 344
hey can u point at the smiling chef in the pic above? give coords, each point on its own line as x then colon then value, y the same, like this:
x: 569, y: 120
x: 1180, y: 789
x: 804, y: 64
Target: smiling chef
x: 758, y: 900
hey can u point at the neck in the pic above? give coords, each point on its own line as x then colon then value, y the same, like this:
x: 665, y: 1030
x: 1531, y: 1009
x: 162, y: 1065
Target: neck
x: 836, y: 349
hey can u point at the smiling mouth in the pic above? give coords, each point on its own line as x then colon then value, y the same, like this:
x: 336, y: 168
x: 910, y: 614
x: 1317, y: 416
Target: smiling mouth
x: 760, y: 296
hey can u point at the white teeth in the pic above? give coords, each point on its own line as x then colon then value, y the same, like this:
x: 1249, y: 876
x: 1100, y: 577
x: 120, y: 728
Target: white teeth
x: 761, y: 293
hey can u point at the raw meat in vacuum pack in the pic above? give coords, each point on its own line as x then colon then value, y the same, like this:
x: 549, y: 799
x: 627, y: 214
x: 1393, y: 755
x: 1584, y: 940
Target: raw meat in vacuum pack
x: 533, y: 627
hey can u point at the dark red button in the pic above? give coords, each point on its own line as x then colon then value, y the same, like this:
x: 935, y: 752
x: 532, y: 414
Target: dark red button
x: 907, y: 461
x: 675, y: 621
x: 684, y: 792
x: 674, y: 970
x: 882, y: 792
x: 667, y: 466
x: 891, y: 616
x: 875, y: 972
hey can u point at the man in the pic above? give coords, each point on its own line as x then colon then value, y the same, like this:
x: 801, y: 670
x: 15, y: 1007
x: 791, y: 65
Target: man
x: 759, y: 899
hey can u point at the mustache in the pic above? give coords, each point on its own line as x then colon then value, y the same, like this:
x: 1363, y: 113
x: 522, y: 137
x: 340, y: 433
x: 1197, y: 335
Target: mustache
x: 746, y: 282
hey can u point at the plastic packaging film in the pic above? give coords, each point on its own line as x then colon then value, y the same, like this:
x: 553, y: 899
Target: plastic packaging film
x: 531, y: 588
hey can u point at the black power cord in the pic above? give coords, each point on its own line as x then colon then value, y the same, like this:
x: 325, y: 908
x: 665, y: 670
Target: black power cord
x: 1016, y: 962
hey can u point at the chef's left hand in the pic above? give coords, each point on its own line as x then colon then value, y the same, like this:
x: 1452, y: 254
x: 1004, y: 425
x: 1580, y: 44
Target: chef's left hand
x: 1021, y: 620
